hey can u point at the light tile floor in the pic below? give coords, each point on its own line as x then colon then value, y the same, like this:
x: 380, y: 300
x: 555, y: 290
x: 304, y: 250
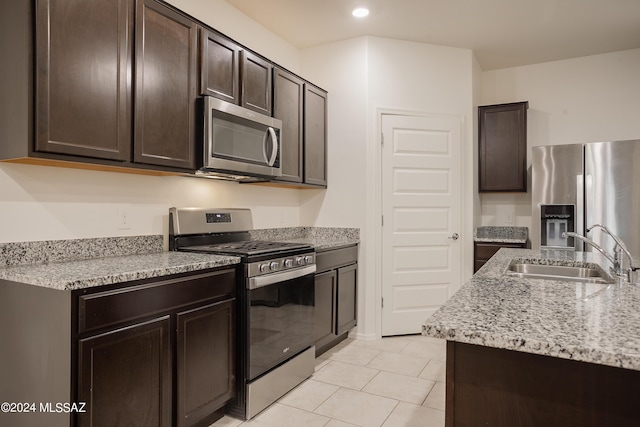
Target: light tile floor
x: 392, y: 382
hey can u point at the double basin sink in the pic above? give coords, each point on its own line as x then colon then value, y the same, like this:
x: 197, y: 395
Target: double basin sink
x: 586, y: 273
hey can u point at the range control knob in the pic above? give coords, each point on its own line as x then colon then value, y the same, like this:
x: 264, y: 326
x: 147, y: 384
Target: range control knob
x: 299, y: 260
x: 273, y: 266
x: 264, y: 267
x: 288, y: 263
x: 308, y: 259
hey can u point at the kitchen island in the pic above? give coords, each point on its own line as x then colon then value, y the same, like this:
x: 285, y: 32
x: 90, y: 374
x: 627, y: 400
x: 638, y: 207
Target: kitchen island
x: 532, y: 352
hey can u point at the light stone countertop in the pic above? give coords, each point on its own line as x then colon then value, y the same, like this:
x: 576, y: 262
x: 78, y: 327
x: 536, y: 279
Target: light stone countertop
x: 83, y: 263
x: 85, y: 273
x: 596, y: 323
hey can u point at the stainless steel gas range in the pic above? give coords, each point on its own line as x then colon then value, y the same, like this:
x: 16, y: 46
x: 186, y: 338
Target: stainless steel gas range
x: 275, y: 304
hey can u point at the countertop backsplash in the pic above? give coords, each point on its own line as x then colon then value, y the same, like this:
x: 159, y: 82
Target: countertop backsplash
x: 48, y: 251
x: 498, y: 234
x: 306, y: 233
x: 81, y: 263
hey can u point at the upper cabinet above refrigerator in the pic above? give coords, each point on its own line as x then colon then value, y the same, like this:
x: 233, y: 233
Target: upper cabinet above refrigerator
x: 502, y: 149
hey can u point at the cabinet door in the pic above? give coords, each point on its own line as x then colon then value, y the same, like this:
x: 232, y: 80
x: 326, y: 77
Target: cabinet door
x: 315, y: 136
x: 166, y: 71
x: 83, y: 78
x: 256, y: 83
x: 219, y: 67
x: 125, y: 374
x: 325, y: 296
x: 503, y: 147
x: 205, y: 360
x: 288, y: 97
x: 347, y: 298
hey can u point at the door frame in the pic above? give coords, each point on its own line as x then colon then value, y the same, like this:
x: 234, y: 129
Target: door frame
x: 374, y: 187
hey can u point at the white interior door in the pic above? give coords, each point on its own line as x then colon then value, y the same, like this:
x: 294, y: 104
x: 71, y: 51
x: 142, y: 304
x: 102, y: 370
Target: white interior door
x: 422, y: 218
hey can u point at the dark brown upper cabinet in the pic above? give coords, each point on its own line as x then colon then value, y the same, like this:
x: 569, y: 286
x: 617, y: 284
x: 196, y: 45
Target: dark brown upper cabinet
x: 502, y: 153
x: 302, y: 108
x: 114, y: 86
x: 220, y: 67
x: 256, y: 83
x: 234, y: 74
x: 288, y: 106
x: 166, y: 87
x: 83, y: 56
x: 315, y: 136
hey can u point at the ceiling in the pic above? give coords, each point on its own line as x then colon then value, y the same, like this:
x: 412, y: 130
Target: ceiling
x: 502, y: 33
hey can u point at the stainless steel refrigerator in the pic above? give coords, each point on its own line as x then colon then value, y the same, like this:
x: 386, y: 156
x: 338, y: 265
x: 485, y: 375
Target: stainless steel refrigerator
x: 577, y: 186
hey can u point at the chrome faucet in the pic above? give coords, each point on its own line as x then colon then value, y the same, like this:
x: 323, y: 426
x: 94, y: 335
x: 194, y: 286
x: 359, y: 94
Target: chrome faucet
x: 620, y: 248
x: 614, y: 261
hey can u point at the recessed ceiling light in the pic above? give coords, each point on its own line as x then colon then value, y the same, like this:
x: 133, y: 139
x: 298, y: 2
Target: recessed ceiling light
x: 360, y: 12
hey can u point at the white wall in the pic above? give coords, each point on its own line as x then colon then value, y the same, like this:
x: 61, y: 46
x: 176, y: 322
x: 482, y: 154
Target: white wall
x: 363, y: 77
x: 341, y: 69
x: 593, y: 98
x: 47, y: 203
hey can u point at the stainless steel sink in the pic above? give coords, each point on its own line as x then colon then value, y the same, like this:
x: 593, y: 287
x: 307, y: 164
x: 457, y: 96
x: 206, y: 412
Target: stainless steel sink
x: 586, y: 273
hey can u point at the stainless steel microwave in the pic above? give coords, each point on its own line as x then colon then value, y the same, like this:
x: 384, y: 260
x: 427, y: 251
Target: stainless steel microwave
x: 239, y: 143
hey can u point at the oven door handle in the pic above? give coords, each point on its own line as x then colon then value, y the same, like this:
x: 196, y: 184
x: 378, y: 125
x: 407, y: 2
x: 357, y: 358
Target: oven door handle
x: 270, y: 279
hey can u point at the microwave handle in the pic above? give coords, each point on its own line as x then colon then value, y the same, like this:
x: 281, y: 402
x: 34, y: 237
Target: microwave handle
x: 274, y: 141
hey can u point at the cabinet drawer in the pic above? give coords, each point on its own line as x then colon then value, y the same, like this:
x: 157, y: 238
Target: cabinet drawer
x: 101, y: 309
x: 335, y: 258
x: 485, y: 251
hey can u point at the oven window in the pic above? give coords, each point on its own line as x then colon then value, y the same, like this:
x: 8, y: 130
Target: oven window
x: 281, y: 318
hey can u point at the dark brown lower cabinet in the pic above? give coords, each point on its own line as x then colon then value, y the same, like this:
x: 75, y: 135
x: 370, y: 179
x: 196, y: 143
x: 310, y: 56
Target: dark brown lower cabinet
x: 205, y: 360
x: 159, y: 353
x: 325, y: 298
x: 347, y: 292
x: 125, y: 374
x: 482, y: 252
x: 494, y: 387
x: 336, y: 285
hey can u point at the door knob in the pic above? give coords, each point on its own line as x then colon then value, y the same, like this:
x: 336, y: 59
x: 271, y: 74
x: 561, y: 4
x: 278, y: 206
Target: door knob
x: 454, y: 236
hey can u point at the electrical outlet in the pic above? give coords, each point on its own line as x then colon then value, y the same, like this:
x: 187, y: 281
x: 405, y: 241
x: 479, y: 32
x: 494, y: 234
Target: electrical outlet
x: 123, y: 219
x: 508, y: 218
x: 505, y: 214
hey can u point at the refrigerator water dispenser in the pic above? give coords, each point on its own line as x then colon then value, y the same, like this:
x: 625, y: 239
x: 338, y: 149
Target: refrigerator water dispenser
x: 554, y: 221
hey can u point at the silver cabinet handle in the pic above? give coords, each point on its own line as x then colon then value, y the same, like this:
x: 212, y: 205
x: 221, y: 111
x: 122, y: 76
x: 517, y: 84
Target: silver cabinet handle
x: 454, y: 236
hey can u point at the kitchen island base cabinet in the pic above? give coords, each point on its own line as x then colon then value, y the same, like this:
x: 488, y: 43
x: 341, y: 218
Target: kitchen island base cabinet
x: 490, y: 386
x: 335, y: 296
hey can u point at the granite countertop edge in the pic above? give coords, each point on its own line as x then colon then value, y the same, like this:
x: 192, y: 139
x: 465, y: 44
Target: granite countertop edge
x: 88, y: 273
x: 589, y: 323
x: 498, y: 240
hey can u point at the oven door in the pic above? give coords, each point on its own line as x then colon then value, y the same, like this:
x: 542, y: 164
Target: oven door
x: 238, y: 140
x: 281, y: 318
